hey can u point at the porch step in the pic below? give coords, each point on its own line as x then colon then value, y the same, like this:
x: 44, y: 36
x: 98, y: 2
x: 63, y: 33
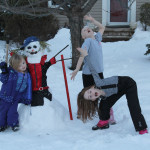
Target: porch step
x: 117, y: 34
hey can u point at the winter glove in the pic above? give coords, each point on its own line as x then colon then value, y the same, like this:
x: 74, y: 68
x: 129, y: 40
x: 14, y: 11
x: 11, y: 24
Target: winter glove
x: 53, y: 60
x: 3, y: 66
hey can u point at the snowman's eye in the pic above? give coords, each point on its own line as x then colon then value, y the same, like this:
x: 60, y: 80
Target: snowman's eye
x: 29, y: 47
x: 34, y: 46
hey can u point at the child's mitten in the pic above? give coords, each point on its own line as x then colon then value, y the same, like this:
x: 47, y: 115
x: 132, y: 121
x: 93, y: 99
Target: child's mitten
x: 53, y: 60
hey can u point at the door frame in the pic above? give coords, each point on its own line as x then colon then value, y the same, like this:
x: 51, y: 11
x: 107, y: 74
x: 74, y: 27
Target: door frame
x: 118, y: 23
x: 106, y: 15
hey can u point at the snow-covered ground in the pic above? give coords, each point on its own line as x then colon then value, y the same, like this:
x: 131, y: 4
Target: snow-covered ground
x: 49, y: 127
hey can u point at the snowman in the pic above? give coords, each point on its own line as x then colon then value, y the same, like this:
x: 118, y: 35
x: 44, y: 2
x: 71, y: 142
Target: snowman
x: 38, y: 66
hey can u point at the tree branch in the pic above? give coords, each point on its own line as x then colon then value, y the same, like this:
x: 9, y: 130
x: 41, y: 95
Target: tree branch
x: 33, y: 11
x: 88, y: 6
x: 34, y: 3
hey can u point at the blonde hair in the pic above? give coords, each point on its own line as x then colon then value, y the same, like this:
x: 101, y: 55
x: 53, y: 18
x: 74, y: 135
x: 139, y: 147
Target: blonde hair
x: 15, y: 60
x: 86, y: 109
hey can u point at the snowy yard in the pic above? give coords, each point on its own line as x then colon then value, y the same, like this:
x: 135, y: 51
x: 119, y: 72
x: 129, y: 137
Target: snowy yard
x: 50, y: 128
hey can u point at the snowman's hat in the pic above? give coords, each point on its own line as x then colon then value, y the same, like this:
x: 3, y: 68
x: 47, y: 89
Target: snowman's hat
x: 28, y: 41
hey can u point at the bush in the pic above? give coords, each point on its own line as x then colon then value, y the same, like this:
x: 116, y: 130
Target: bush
x: 20, y: 27
x: 148, y: 51
x: 145, y: 15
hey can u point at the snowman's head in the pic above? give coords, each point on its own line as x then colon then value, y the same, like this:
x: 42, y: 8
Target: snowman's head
x: 31, y: 46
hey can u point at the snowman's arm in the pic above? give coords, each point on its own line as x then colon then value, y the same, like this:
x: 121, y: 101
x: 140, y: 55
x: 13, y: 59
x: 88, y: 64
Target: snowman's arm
x: 53, y: 60
x: 49, y: 63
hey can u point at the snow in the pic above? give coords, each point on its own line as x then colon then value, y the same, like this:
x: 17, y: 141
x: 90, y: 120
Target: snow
x: 49, y: 127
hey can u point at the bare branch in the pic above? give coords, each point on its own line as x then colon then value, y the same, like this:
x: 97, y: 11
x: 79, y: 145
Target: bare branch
x: 31, y: 6
x: 32, y: 9
x: 83, y: 3
x: 33, y: 3
x: 39, y: 11
x: 5, y: 1
x: 88, y: 6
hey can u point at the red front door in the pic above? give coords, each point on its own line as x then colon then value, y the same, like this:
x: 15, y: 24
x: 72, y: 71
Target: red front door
x: 118, y: 11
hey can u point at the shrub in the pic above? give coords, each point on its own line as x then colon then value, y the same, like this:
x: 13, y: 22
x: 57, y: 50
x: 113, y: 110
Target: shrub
x: 20, y: 27
x: 148, y: 51
x: 145, y: 15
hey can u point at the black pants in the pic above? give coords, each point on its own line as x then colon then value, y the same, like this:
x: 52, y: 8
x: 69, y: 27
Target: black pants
x: 127, y: 86
x: 88, y: 79
x: 38, y: 97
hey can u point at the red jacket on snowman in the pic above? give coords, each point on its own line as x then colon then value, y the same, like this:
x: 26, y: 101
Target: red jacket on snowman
x: 38, y: 67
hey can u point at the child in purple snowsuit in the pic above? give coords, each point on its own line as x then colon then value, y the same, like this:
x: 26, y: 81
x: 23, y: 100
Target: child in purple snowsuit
x: 16, y: 88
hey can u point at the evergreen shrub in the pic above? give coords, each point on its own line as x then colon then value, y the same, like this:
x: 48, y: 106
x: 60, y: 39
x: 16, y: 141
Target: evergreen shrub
x: 145, y: 15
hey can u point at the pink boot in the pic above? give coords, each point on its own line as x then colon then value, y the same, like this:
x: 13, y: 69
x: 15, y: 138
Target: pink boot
x: 102, y: 124
x: 143, y: 131
x: 111, y: 119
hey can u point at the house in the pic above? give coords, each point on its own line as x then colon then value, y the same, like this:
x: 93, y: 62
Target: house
x: 120, y: 23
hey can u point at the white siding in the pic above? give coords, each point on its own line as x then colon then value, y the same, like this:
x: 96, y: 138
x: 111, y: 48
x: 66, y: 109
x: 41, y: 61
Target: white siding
x: 96, y: 11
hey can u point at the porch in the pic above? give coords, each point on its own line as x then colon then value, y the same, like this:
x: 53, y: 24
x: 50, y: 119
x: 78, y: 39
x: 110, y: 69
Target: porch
x: 113, y: 34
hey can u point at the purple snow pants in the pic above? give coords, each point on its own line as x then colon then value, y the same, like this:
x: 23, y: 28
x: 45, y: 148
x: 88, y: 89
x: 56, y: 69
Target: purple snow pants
x: 8, y: 114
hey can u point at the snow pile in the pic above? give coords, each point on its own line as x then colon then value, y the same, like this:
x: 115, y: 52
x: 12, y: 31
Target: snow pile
x: 51, y: 116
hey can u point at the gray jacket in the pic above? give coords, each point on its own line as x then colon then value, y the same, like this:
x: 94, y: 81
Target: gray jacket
x: 108, y: 85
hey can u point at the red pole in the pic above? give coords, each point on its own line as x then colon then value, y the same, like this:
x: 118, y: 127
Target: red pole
x: 66, y: 84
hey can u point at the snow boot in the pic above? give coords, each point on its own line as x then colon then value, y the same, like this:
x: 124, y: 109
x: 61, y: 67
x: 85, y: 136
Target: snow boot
x: 111, y: 119
x: 101, y: 125
x: 143, y: 131
x: 112, y: 122
x: 15, y: 128
x: 2, y: 129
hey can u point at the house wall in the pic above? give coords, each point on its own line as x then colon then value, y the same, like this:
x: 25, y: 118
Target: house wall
x: 138, y: 4
x: 96, y: 12
x: 62, y: 20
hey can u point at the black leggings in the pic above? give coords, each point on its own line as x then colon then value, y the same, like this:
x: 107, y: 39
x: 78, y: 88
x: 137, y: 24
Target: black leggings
x: 88, y: 79
x: 126, y: 86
